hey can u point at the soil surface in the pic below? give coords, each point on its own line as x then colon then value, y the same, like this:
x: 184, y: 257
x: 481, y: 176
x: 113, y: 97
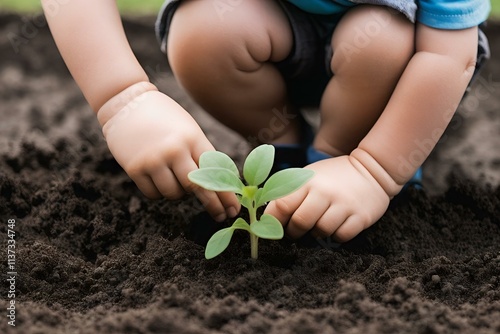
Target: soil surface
x: 94, y: 256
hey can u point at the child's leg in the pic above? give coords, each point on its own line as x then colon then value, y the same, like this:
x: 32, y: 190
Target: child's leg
x: 371, y: 47
x: 222, y: 55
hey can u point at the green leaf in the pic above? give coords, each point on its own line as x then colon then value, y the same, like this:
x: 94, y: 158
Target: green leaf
x: 241, y: 224
x: 218, y: 159
x: 218, y: 242
x: 267, y: 227
x: 283, y: 183
x: 258, y: 164
x: 216, y: 179
x: 258, y: 194
x: 245, y: 201
x: 221, y: 239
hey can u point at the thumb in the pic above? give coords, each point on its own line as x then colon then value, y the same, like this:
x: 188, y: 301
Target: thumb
x: 280, y: 209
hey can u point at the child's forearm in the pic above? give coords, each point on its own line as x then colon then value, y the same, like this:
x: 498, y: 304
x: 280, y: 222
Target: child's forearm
x: 90, y: 37
x: 421, y: 107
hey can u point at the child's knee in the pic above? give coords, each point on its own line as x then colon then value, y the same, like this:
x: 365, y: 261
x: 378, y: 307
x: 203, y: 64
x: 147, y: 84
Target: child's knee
x: 372, y: 38
x: 204, y: 37
x: 193, y: 40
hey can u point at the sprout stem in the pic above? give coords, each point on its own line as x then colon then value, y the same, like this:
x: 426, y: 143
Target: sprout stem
x: 254, y: 240
x: 254, y: 246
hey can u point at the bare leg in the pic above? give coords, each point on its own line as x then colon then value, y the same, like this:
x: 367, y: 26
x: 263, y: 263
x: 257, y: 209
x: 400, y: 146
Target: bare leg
x: 222, y: 55
x: 372, y: 46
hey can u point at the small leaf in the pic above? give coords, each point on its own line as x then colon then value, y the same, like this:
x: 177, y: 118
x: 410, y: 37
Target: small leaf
x: 283, y: 183
x: 258, y: 193
x: 258, y: 164
x: 267, y: 227
x: 218, y: 242
x: 241, y: 224
x: 245, y: 201
x: 216, y: 179
x: 218, y: 159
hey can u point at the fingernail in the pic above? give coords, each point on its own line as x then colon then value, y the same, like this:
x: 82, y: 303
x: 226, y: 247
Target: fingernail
x: 220, y: 218
x: 232, y: 212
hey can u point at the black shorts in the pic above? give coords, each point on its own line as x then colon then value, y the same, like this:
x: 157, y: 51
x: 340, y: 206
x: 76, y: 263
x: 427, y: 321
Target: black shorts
x: 306, y: 69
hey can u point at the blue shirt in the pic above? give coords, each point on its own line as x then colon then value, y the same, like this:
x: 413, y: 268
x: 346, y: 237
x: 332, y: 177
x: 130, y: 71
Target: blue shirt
x: 441, y: 14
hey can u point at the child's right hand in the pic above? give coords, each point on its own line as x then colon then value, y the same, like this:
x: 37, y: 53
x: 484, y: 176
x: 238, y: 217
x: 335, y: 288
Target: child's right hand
x: 158, y: 143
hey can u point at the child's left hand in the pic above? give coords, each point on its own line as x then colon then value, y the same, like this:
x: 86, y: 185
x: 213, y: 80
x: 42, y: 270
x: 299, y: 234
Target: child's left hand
x: 341, y: 200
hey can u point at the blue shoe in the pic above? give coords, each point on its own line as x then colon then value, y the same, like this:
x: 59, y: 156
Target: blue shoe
x: 313, y: 155
x: 288, y: 156
x: 298, y: 155
x: 303, y: 154
x: 416, y: 181
x: 293, y: 155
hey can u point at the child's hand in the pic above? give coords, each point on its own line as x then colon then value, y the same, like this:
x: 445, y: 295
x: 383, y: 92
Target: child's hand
x: 341, y: 200
x: 158, y: 143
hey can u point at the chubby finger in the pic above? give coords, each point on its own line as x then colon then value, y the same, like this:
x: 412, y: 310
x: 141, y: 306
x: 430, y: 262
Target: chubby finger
x: 146, y: 186
x: 209, y: 199
x: 181, y: 168
x: 219, y: 205
x: 330, y: 221
x: 166, y: 183
x: 306, y: 216
x: 230, y: 203
x: 349, y: 229
x: 284, y: 208
x: 201, y: 147
x: 211, y: 202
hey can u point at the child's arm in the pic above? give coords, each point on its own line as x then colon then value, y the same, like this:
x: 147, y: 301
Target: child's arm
x: 350, y: 193
x: 421, y: 107
x: 90, y: 37
x: 152, y: 137
x: 418, y: 112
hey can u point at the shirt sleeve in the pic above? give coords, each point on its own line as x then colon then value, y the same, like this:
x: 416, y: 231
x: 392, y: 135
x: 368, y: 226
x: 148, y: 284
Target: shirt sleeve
x: 453, y: 14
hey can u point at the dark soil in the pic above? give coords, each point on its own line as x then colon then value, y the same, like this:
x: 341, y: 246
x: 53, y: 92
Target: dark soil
x: 94, y: 256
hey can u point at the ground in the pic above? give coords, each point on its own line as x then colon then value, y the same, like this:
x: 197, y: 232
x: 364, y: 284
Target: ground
x: 94, y: 256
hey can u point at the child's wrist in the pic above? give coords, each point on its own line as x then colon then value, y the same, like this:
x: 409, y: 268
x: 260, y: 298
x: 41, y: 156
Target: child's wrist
x: 120, y: 100
x: 384, y: 179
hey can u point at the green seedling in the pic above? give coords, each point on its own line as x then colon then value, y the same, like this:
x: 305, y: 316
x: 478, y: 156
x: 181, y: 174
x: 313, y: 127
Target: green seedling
x: 218, y: 172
